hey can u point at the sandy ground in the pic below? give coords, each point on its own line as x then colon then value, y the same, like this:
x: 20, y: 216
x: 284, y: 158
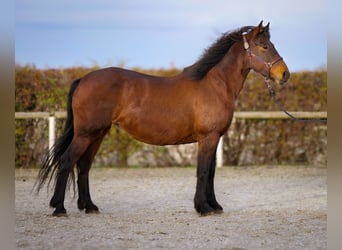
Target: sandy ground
x: 264, y: 208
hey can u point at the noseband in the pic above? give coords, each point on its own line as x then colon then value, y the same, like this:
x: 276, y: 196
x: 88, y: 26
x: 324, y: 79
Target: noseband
x: 251, y: 55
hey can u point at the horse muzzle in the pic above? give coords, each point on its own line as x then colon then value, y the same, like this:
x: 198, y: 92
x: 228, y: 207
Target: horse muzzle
x: 280, y: 73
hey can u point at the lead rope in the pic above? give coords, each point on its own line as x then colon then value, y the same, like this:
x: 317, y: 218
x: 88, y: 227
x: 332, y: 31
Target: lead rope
x: 276, y: 101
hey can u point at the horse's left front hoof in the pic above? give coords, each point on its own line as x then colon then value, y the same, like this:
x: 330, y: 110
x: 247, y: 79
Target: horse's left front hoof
x: 217, y: 207
x: 204, y: 209
x: 202, y: 214
x: 219, y: 211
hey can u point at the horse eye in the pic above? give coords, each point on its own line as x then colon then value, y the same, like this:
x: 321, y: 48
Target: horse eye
x: 264, y: 46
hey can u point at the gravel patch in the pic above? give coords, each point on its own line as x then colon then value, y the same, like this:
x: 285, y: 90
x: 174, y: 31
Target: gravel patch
x: 264, y: 208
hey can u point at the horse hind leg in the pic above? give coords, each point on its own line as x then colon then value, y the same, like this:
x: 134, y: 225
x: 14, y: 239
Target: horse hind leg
x: 83, y: 165
x: 77, y: 147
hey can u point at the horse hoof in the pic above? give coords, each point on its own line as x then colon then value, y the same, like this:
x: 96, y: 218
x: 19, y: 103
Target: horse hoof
x: 92, y: 211
x: 203, y: 214
x: 204, y: 209
x: 60, y: 213
x: 218, y: 211
x: 211, y: 212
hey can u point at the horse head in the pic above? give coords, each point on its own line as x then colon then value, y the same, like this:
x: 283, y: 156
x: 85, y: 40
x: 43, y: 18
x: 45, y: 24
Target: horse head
x: 263, y: 56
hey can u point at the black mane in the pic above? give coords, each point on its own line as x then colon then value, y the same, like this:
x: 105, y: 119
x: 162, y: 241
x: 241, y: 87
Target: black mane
x: 214, y: 54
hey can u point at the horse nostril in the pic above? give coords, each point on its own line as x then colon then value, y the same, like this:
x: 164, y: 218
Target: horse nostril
x: 286, y: 76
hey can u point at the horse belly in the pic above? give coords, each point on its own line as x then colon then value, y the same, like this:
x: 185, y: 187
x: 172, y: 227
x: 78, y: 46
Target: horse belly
x: 158, y: 128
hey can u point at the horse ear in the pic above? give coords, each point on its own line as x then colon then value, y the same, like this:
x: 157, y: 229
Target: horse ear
x: 267, y: 27
x: 257, y: 30
x: 260, y: 27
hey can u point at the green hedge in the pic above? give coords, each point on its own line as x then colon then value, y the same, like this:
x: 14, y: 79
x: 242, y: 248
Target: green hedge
x: 249, y: 142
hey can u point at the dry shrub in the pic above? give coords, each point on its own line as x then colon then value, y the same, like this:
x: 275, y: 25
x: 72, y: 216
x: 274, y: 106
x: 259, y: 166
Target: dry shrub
x: 247, y: 142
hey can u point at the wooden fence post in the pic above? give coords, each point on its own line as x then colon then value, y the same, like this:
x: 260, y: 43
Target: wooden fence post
x: 52, y: 129
x: 219, y: 153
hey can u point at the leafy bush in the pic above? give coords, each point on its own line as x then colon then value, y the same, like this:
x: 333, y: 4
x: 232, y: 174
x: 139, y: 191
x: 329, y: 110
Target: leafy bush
x: 246, y: 142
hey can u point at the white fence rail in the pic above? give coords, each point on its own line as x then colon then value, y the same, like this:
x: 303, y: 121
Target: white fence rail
x: 255, y: 115
x: 44, y: 115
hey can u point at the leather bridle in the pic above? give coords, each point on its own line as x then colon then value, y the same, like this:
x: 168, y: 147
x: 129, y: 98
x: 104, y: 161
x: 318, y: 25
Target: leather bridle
x: 251, y: 55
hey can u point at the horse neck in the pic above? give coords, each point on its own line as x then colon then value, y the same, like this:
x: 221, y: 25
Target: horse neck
x: 233, y: 69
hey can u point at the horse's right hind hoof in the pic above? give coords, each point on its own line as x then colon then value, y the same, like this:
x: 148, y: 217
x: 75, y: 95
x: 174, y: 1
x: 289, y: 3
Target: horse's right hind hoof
x: 60, y: 213
x: 91, y: 208
x: 92, y: 211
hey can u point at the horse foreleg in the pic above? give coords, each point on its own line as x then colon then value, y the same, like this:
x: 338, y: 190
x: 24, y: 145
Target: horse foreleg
x: 205, y: 201
x: 210, y: 187
x: 83, y: 165
x: 67, y: 161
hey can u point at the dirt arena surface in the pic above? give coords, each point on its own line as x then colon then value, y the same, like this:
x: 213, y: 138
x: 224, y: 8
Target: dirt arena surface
x: 264, y: 208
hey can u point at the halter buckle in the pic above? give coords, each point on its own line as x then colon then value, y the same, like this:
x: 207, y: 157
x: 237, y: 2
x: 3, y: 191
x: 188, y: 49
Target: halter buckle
x: 245, y: 42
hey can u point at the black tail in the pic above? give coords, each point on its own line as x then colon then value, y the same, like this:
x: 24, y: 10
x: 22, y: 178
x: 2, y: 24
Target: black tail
x: 51, y: 163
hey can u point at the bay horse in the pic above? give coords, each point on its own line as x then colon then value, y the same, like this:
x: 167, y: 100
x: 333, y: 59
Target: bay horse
x: 196, y: 105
